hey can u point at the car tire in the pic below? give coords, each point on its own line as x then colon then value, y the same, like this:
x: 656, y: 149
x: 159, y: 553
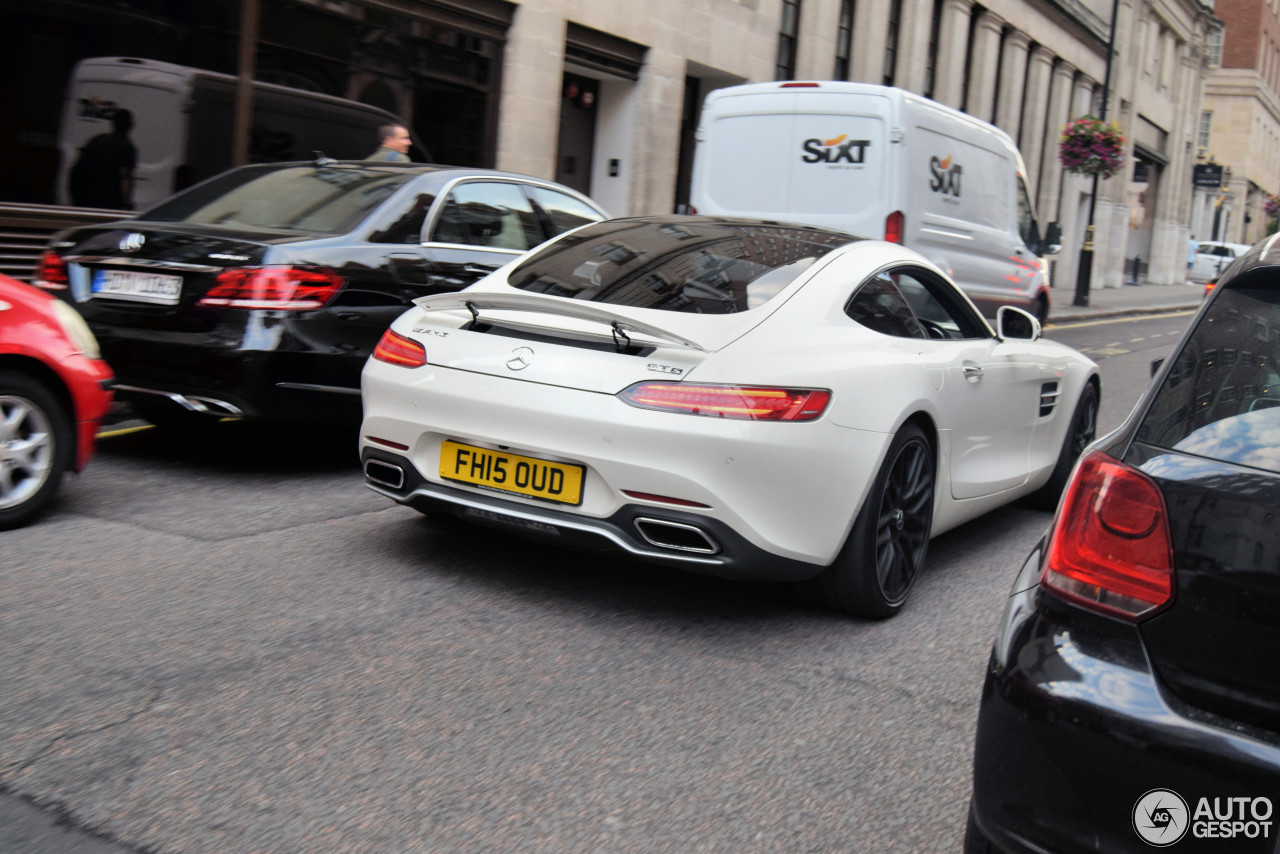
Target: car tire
x: 35, y: 447
x: 875, y: 571
x: 1083, y: 429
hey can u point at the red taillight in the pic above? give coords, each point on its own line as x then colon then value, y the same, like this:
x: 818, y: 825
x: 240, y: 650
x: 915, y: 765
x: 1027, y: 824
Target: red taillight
x: 398, y: 350
x: 893, y: 225
x: 727, y: 401
x: 1110, y: 548
x: 51, y: 274
x: 281, y: 288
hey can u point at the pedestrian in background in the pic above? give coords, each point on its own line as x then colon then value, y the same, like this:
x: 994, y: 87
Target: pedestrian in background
x: 102, y: 176
x: 395, y: 144
x: 1191, y: 257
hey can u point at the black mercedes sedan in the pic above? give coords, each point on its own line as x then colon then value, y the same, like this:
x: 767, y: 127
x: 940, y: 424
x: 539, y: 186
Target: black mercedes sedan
x: 260, y: 292
x: 1132, y: 698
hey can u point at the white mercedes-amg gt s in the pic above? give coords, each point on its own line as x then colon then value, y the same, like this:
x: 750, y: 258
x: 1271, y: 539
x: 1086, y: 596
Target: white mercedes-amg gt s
x: 749, y: 399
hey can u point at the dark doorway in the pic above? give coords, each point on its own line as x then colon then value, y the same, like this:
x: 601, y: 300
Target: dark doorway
x: 574, y: 151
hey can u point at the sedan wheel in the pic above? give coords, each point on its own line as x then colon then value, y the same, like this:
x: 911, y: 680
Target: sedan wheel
x: 35, y: 441
x: 882, y: 558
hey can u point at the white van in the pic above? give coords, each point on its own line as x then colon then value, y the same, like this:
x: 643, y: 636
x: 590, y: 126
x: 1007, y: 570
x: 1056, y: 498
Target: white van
x: 183, y: 122
x: 879, y: 162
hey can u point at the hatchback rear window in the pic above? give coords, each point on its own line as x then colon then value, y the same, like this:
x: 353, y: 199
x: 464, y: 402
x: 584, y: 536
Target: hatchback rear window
x: 1221, y: 397
x: 327, y: 200
x: 702, y: 266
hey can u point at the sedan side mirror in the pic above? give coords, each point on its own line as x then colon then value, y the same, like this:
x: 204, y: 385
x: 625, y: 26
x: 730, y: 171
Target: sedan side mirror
x: 1155, y: 365
x: 1015, y: 323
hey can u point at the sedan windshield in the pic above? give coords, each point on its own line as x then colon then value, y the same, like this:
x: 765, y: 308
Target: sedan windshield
x: 325, y: 200
x: 695, y: 264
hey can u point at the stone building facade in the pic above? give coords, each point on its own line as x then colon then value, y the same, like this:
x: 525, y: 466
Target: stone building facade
x: 1240, y: 123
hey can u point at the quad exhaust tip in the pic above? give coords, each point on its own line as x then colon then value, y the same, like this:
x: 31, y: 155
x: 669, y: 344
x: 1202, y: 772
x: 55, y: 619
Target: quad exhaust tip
x: 680, y: 536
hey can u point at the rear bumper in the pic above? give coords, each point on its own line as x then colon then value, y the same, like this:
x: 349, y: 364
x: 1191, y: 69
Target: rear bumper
x: 1074, y: 729
x: 663, y: 536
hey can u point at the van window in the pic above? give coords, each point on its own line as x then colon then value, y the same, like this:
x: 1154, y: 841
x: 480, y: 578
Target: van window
x: 1221, y: 397
x: 1027, y: 228
x: 488, y: 213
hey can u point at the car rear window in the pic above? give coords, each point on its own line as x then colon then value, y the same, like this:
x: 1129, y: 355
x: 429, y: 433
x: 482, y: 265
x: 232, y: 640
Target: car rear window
x: 698, y: 265
x: 1221, y: 397
x: 324, y: 200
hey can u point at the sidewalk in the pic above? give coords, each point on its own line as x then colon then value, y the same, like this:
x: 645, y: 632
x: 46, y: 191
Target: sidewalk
x: 1124, y: 300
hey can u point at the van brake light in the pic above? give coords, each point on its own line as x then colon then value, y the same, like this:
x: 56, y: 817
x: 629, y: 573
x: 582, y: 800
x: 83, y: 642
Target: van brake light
x: 893, y: 227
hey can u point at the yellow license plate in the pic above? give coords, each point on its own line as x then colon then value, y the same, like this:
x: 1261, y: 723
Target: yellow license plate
x: 511, y: 473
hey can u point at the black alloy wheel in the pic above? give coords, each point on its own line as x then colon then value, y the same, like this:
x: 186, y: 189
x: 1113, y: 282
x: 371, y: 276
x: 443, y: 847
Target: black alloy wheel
x: 878, y: 566
x: 1083, y: 430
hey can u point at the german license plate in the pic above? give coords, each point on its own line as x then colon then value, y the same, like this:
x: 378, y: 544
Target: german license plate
x: 505, y: 472
x: 156, y: 288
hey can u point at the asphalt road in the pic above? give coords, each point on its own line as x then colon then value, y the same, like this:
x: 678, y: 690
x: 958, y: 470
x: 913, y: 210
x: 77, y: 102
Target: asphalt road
x: 228, y: 644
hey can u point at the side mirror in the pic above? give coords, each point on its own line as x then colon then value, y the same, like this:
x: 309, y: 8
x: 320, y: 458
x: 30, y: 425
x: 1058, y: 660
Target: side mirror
x: 1015, y: 323
x: 1052, y: 243
x: 1155, y: 365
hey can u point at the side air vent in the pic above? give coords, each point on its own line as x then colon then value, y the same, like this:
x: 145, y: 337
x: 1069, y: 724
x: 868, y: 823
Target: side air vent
x: 1049, y: 395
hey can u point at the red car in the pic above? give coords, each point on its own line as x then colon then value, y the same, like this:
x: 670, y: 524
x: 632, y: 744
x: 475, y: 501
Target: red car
x: 54, y: 391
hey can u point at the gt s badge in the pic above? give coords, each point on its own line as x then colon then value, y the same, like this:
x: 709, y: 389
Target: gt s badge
x: 665, y: 369
x: 422, y: 330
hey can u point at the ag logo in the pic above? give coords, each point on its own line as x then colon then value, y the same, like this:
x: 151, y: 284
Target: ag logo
x: 841, y: 149
x: 946, y: 176
x: 1160, y: 817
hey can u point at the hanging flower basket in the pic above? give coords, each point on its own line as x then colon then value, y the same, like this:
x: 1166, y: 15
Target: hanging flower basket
x: 1090, y: 146
x: 1272, y: 205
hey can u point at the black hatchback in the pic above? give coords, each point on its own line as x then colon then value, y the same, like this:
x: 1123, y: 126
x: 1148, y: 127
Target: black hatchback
x: 1133, y: 693
x: 262, y: 291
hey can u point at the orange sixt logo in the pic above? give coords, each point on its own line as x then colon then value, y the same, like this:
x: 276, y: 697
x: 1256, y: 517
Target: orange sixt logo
x: 946, y: 176
x: 838, y: 150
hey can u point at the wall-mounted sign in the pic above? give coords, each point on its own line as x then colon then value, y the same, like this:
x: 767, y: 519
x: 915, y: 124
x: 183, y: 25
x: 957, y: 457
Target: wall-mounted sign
x: 1207, y: 175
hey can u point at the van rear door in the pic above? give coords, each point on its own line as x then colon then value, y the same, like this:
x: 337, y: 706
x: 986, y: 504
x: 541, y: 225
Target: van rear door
x: 797, y: 155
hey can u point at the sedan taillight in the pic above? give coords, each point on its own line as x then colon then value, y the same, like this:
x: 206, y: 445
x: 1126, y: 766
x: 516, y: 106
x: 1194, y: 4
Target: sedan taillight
x: 1110, y: 549
x: 282, y: 288
x: 51, y: 274
x: 749, y: 403
x: 395, y: 349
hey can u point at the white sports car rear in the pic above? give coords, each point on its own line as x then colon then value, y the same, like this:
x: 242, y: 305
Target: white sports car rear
x: 749, y: 399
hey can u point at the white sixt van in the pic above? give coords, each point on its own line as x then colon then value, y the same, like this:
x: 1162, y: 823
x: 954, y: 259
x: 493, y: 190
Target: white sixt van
x: 183, y: 120
x: 879, y: 162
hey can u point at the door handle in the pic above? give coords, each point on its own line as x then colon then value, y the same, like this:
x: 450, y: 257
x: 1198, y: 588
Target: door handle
x: 972, y: 373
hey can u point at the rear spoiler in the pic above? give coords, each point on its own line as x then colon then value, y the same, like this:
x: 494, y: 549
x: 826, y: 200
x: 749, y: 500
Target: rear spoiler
x: 475, y: 303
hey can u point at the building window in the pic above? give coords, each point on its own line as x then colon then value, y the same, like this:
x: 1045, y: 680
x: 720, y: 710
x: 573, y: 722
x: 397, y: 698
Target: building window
x: 1206, y: 123
x: 891, y: 41
x: 788, y: 34
x: 1215, y: 47
x: 931, y: 59
x: 844, y: 39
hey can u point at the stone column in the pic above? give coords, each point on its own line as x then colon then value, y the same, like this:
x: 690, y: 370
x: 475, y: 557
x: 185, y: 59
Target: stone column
x: 953, y: 43
x: 913, y: 46
x: 1060, y: 92
x: 1013, y: 79
x: 985, y: 61
x: 1034, y: 112
x: 867, y: 62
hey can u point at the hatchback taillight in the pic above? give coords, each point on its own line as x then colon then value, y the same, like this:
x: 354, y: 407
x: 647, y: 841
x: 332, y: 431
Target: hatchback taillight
x: 748, y: 403
x: 51, y: 273
x: 1110, y: 549
x: 283, y: 288
x: 395, y: 349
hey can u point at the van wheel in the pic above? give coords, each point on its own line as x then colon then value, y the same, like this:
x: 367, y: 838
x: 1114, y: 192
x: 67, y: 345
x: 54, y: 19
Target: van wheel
x: 1083, y: 429
x: 875, y: 571
x: 1040, y: 308
x: 35, y: 447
